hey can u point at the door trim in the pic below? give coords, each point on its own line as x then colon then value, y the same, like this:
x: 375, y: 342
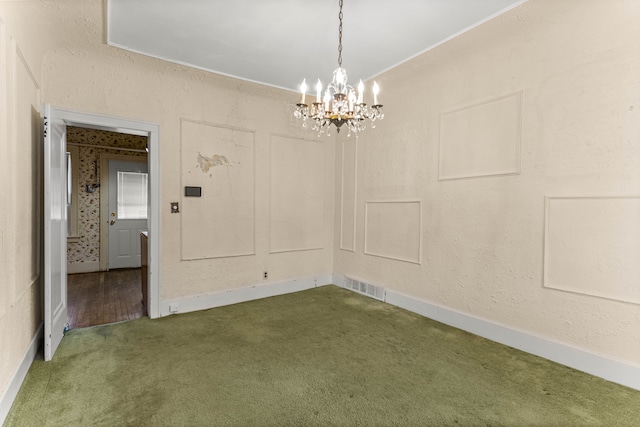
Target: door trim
x: 104, y: 201
x: 152, y: 131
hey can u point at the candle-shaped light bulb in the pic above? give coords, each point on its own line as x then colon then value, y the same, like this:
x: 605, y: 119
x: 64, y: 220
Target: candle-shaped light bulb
x: 352, y: 99
x: 318, y: 90
x: 360, y: 92
x: 303, y: 89
x: 327, y: 101
x: 339, y: 81
x: 376, y: 90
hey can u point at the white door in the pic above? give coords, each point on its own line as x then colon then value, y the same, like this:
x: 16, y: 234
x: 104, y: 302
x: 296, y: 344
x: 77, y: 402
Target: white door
x: 128, y: 205
x: 55, y: 231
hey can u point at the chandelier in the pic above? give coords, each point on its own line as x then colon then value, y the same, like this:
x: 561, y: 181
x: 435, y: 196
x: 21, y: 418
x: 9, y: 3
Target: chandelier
x: 340, y: 105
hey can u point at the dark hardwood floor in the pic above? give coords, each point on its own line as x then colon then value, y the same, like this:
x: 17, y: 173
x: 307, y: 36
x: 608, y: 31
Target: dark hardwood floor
x: 104, y: 297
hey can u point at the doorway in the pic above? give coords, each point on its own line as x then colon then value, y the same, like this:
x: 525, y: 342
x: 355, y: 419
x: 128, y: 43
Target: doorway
x: 56, y: 230
x: 96, y: 296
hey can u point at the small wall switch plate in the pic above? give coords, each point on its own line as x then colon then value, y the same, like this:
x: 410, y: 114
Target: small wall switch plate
x: 174, y: 308
x: 175, y: 207
x: 193, y: 191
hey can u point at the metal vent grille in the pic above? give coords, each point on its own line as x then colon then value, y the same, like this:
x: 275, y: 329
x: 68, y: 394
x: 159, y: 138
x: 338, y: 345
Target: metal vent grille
x: 364, y: 288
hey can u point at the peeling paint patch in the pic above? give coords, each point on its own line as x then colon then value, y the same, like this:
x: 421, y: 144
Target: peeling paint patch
x: 205, y: 163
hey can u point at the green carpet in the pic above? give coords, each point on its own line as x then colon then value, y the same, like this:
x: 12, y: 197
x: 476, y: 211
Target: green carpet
x: 321, y: 357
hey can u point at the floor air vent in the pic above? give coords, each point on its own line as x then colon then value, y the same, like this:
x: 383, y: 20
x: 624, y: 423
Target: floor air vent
x: 364, y: 288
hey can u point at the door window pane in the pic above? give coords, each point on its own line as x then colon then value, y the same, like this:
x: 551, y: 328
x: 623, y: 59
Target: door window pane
x: 132, y: 195
x: 73, y: 184
x: 70, y: 184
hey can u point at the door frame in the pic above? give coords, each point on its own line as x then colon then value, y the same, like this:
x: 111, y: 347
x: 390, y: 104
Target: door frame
x: 152, y: 132
x: 104, y: 201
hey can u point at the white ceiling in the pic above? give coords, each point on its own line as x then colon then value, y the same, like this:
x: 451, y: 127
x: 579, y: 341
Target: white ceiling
x: 280, y: 42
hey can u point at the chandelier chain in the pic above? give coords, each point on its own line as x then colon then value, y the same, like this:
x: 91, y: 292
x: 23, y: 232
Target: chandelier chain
x: 340, y: 37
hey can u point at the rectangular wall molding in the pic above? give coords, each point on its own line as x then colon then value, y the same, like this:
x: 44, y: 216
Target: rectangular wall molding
x: 297, y: 194
x: 221, y: 161
x: 592, y: 246
x: 5, y: 222
x: 582, y: 360
x: 482, y: 139
x: 9, y: 395
x: 24, y: 104
x: 348, y: 194
x: 393, y: 229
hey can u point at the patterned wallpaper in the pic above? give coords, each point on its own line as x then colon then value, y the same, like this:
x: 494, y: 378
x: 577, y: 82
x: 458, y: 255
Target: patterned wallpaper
x: 88, y: 246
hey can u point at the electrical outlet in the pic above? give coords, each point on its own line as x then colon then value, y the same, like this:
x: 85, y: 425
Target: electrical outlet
x: 265, y: 275
x: 174, y: 308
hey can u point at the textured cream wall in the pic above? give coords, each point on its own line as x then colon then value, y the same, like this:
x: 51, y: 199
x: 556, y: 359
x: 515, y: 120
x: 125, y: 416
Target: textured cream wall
x: 21, y: 195
x: 63, y: 44
x: 577, y: 67
x: 86, y: 75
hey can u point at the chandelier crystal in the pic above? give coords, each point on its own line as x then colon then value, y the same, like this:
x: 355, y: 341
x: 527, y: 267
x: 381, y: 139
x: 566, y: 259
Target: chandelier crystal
x: 341, y: 105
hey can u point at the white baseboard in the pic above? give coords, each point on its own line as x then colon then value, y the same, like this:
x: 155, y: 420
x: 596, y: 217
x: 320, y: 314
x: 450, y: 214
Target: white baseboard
x: 235, y: 296
x: 83, y: 267
x: 9, y: 395
x: 582, y: 360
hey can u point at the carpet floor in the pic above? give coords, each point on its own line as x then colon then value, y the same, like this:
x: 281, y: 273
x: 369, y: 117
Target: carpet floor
x: 322, y: 357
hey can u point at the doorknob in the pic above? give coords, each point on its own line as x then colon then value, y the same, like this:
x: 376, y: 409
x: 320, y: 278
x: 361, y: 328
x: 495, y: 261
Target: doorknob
x: 113, y: 221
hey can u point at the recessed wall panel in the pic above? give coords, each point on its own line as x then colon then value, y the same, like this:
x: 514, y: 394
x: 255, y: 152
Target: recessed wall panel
x: 4, y: 170
x: 297, y: 194
x: 348, y: 199
x: 592, y: 246
x: 482, y: 139
x: 393, y: 230
x: 219, y: 160
x: 27, y: 166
